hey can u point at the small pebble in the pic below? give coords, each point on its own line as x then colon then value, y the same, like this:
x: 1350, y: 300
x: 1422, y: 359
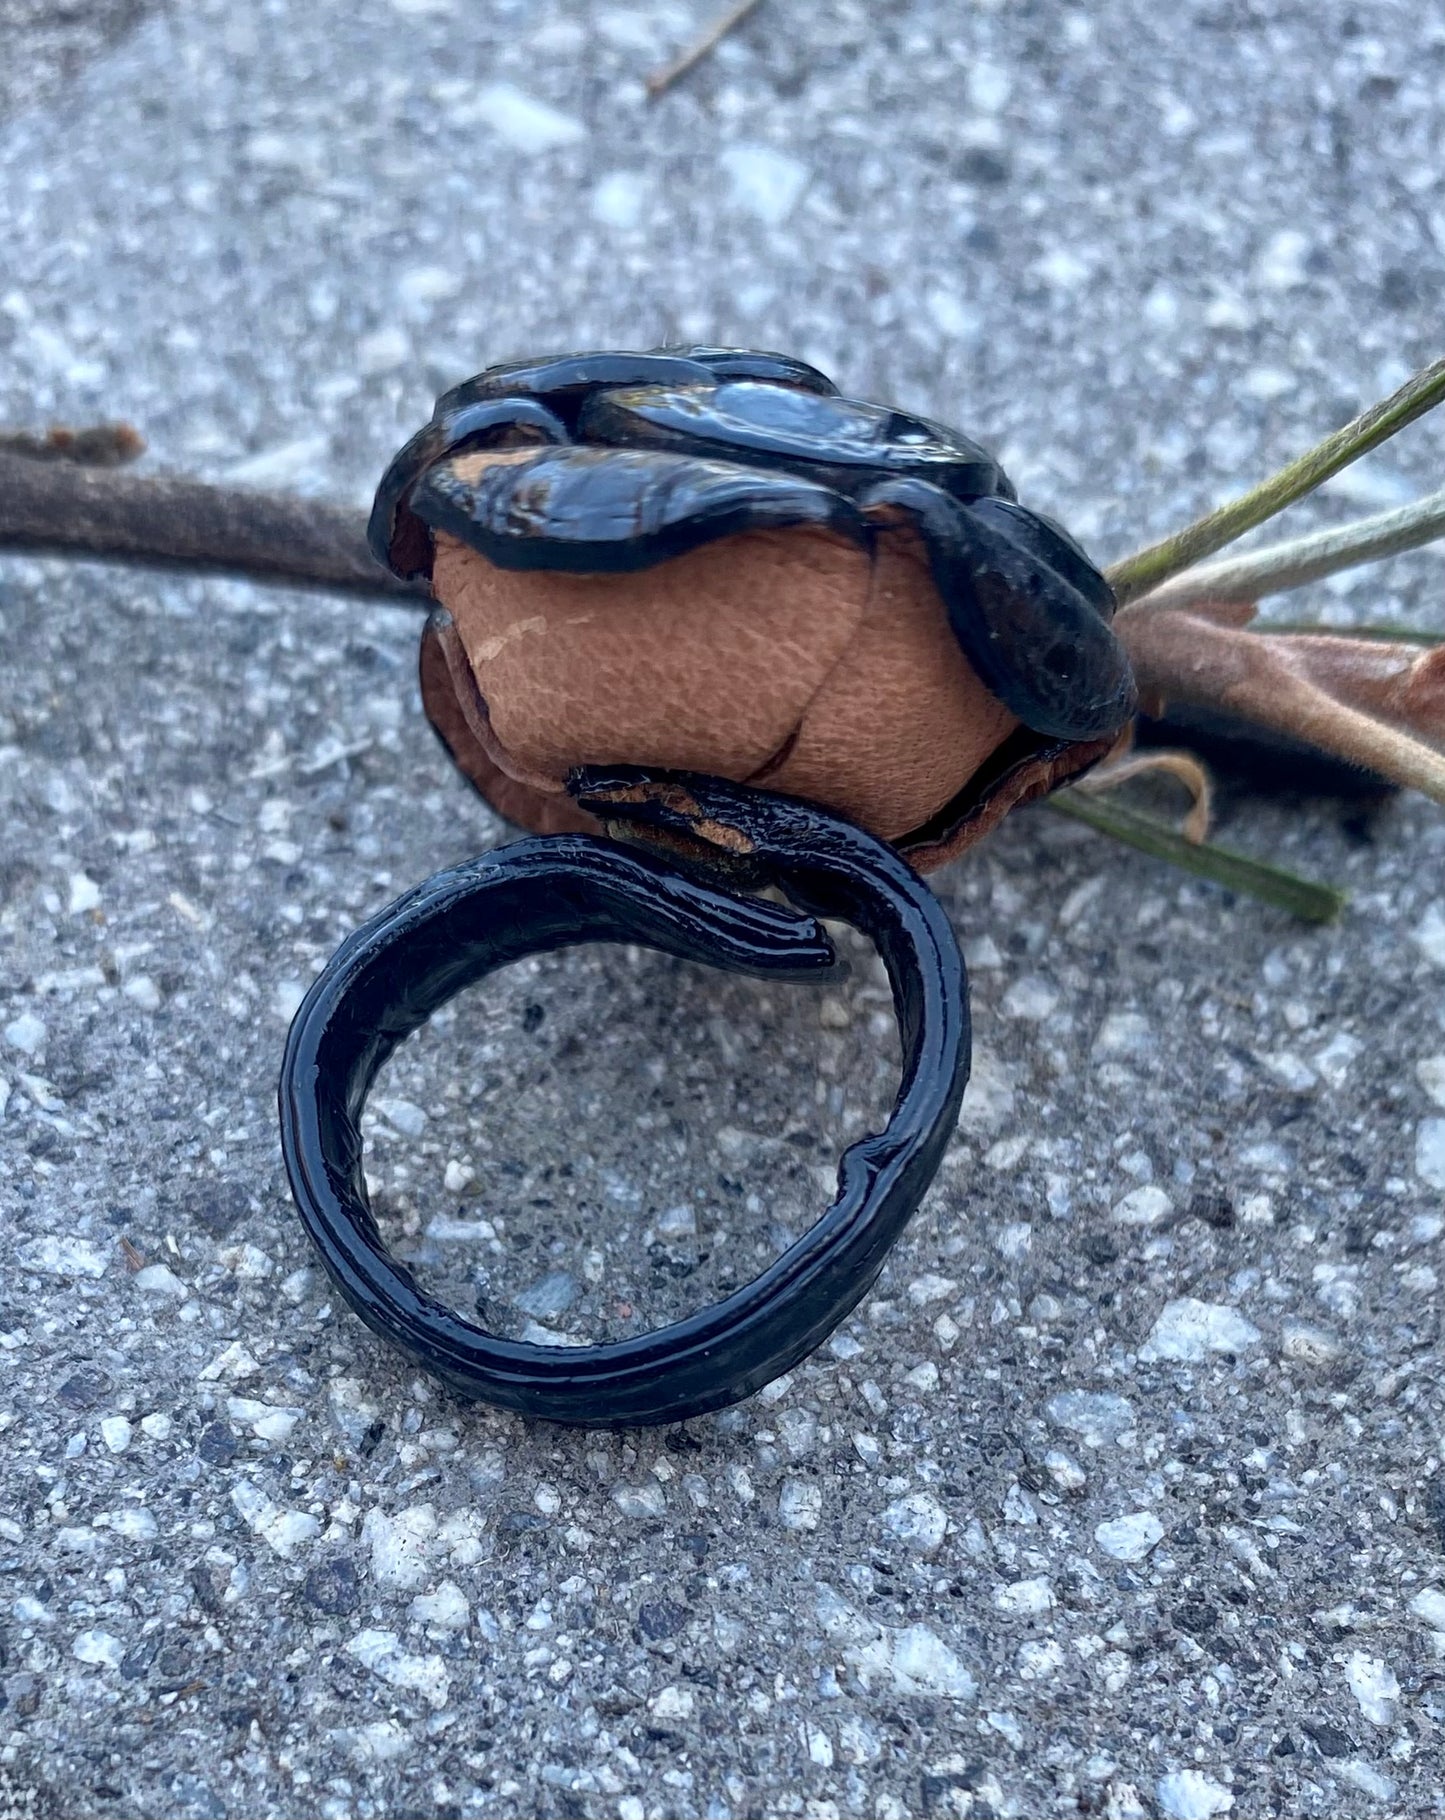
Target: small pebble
x: 84, y: 894
x: 920, y: 1522
x: 115, y: 1431
x: 764, y: 183
x: 159, y: 1279
x: 1098, y: 1416
x: 98, y: 1649
x: 1188, y: 1794
x: 1373, y: 1683
x: 286, y: 997
x: 677, y: 1223
x: 26, y: 1033
x: 800, y: 1504
x: 673, y: 1703
x: 1025, y: 1598
x: 1430, y: 1152
x: 1130, y: 1538
x: 1368, y: 1779
x: 142, y: 990
x: 1431, y: 1075
x: 918, y: 1661
x: 1429, y: 1607
x: 1143, y: 1207
x: 549, y: 1296
x: 1030, y: 999
x: 620, y: 198
x: 1281, y: 267
x: 381, y: 1652
x: 640, y: 1500
x: 1307, y: 1345
x: 1126, y: 1034
x: 444, y: 1609
x: 1188, y: 1330
x: 404, y: 1116
x: 925, y: 1289
x: 1065, y: 1471
x: 523, y: 122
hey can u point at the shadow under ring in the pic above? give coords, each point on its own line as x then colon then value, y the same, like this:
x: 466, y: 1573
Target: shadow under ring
x: 543, y: 894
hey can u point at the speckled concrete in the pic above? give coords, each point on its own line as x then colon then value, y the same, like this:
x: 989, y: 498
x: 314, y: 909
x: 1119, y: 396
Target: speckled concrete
x: 1123, y: 1494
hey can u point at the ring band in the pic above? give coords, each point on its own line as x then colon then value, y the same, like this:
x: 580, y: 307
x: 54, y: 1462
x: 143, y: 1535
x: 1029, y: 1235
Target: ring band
x: 553, y: 892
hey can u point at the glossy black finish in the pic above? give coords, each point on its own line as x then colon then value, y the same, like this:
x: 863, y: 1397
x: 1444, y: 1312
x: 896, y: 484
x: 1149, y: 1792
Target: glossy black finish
x: 839, y: 440
x: 1026, y: 606
x: 712, y: 441
x: 586, y: 510
x: 543, y: 894
x: 477, y: 423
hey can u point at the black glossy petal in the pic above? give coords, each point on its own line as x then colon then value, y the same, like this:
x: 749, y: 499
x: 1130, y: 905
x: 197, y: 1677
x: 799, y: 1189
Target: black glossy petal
x: 396, y: 541
x: 841, y: 440
x: 598, y: 511
x: 1040, y: 642
x: 751, y: 363
x: 564, y: 382
x: 1052, y: 545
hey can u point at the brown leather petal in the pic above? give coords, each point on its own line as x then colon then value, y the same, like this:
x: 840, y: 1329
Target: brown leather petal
x: 449, y: 696
x: 902, y: 721
x: 704, y: 663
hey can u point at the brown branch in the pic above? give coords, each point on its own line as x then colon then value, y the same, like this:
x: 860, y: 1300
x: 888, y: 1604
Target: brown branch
x: 161, y: 521
x: 1372, y: 704
x: 98, y: 445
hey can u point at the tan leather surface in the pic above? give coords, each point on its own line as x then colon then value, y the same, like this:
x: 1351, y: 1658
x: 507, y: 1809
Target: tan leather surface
x: 1026, y: 784
x: 703, y: 663
x: 781, y: 658
x: 902, y: 721
x: 448, y: 710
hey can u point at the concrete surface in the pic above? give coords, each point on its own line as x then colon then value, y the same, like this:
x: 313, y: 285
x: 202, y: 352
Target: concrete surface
x: 1123, y: 1494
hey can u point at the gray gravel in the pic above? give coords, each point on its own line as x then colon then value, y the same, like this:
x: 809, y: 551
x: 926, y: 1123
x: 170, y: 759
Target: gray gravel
x: 1123, y: 1494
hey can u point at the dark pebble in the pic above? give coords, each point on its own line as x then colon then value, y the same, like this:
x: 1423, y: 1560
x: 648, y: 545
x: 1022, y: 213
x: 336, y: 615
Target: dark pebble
x: 333, y: 1587
x: 660, y: 1619
x: 217, y: 1445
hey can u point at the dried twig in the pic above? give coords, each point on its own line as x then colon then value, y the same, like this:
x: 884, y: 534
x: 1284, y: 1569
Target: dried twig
x: 99, y: 445
x: 1281, y: 566
x: 661, y: 80
x: 1377, y: 705
x: 161, y: 521
x: 1148, y: 569
x: 1183, y: 767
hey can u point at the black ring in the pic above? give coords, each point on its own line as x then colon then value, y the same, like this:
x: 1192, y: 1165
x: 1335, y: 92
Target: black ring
x: 543, y: 894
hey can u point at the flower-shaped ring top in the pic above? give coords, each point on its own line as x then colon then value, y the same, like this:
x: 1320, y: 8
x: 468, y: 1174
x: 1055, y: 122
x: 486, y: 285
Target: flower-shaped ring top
x: 707, y: 558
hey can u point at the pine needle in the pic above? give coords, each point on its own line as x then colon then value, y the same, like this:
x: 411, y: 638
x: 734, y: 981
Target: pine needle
x: 1302, y: 897
x: 1147, y: 569
x: 1281, y: 566
x: 661, y: 80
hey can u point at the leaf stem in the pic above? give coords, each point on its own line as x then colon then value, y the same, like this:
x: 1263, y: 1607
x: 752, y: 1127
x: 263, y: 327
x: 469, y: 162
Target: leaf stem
x: 1280, y: 566
x: 1302, y: 897
x: 1147, y: 569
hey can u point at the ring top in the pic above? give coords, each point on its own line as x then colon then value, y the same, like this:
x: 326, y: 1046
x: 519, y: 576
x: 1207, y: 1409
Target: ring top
x: 541, y: 895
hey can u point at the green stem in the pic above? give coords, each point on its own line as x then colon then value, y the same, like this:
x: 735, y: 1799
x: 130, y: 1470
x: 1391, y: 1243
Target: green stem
x: 1146, y: 569
x: 1302, y: 897
x: 1280, y: 566
x: 1383, y: 635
